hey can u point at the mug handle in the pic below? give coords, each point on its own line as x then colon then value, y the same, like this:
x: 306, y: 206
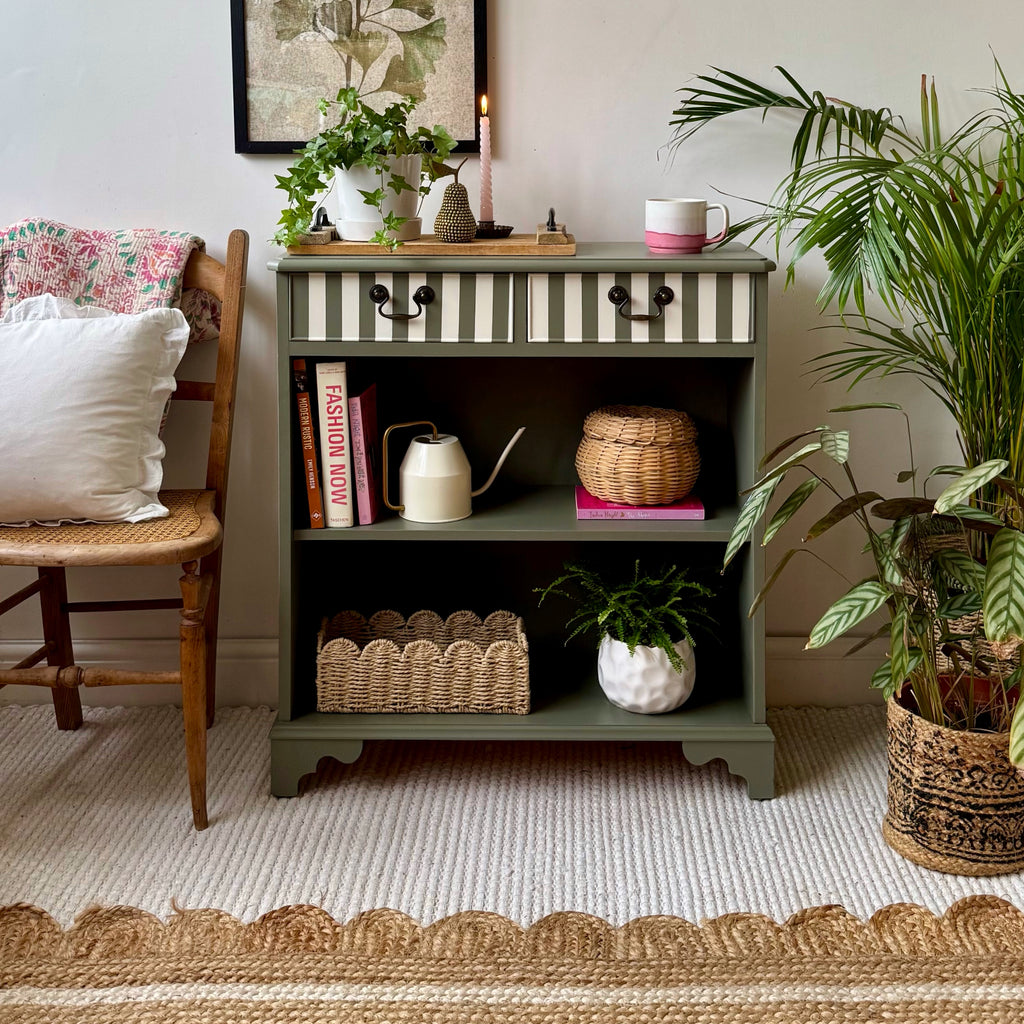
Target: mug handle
x: 725, y: 226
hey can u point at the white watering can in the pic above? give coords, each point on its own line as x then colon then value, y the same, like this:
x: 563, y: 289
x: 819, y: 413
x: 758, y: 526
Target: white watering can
x: 434, y: 480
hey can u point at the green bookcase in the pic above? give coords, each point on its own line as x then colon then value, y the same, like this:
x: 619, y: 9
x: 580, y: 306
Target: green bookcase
x: 532, y: 341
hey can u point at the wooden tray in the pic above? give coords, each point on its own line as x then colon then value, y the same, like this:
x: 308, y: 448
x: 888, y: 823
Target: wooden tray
x: 428, y: 245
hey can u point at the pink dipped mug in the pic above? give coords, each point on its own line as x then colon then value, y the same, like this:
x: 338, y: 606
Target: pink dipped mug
x: 681, y: 225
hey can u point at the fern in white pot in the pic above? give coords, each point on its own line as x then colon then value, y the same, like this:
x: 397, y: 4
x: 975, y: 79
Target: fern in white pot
x: 645, y: 658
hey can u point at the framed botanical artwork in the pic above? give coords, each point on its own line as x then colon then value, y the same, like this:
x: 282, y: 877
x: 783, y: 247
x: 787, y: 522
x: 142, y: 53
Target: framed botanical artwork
x: 288, y: 54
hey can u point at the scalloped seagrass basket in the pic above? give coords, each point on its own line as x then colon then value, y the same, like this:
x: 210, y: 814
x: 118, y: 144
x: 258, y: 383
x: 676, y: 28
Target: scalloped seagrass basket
x: 638, y: 454
x: 387, y: 665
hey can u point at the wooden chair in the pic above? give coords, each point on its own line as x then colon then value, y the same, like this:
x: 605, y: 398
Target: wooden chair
x: 191, y: 537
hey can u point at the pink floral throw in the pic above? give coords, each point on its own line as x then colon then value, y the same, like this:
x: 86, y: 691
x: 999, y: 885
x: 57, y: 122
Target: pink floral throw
x: 125, y: 271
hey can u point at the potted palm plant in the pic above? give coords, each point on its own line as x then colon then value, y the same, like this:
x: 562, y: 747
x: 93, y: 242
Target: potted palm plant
x: 373, y: 160
x: 932, y: 223
x: 952, y: 676
x: 645, y: 660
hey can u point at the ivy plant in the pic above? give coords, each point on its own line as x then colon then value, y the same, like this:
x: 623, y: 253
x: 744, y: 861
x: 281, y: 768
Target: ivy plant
x: 645, y: 610
x: 361, y: 137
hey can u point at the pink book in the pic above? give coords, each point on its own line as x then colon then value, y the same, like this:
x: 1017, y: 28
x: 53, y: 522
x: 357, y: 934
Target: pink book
x: 589, y: 507
x: 363, y: 416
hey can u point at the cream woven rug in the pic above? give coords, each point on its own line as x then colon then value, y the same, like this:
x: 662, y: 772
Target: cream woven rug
x: 101, y: 816
x: 515, y: 875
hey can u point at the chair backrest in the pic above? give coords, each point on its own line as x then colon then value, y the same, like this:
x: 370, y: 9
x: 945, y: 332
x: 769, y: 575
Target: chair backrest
x: 227, y: 282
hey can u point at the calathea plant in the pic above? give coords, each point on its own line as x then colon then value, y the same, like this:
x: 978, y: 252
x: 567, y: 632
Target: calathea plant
x: 648, y: 609
x: 364, y: 137
x: 961, y: 666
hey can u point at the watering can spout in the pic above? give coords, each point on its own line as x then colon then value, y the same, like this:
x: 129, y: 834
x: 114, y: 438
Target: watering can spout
x: 501, y: 462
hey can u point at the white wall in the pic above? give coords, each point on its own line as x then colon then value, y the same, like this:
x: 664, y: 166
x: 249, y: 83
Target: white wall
x: 119, y: 114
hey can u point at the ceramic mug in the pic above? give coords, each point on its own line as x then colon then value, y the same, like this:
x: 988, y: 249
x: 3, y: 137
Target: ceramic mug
x: 681, y: 225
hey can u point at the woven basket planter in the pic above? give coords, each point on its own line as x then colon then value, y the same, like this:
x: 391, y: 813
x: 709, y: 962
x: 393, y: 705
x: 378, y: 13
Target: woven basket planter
x: 638, y: 454
x: 956, y: 804
x: 387, y: 665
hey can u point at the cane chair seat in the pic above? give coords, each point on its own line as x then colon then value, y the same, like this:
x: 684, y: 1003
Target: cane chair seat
x: 190, y: 531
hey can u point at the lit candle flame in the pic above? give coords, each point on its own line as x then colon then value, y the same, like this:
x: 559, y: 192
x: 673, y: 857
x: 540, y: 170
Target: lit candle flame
x: 483, y: 105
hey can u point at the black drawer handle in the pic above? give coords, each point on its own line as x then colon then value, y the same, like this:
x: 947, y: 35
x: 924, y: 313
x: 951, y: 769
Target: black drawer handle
x: 423, y: 296
x: 620, y: 297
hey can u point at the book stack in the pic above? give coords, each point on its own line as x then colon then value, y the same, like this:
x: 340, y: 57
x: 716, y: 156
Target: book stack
x: 589, y: 507
x: 338, y: 446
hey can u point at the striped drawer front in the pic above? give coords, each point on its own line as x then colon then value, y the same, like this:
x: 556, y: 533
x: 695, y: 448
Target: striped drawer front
x: 705, y: 308
x: 337, y: 307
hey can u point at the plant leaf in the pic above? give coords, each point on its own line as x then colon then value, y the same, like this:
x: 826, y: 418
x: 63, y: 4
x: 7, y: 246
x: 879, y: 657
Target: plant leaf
x: 905, y: 474
x: 967, y: 483
x: 960, y: 605
x: 783, y: 445
x: 753, y: 508
x: 960, y: 566
x: 867, y: 405
x: 787, y: 464
x: 847, y: 507
x: 363, y: 47
x: 855, y: 606
x: 883, y: 679
x: 899, y: 656
x: 1017, y: 735
x: 768, y: 583
x: 1004, y: 587
x: 898, y: 508
x: 789, y: 507
x: 422, y: 48
x: 291, y: 17
x: 836, y: 445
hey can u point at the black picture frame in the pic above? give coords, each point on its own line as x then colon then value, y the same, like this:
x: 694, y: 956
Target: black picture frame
x: 243, y: 144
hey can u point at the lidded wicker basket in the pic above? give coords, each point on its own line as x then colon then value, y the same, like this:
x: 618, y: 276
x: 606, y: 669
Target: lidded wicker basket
x: 387, y: 665
x: 638, y: 454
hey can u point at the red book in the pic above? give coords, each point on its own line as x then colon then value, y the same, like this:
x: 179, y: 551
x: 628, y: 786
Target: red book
x: 362, y: 410
x: 589, y: 507
x: 307, y: 442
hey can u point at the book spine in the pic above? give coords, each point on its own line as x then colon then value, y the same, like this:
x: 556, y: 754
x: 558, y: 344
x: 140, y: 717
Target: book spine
x: 307, y: 443
x: 359, y: 459
x: 335, y: 443
x: 639, y: 513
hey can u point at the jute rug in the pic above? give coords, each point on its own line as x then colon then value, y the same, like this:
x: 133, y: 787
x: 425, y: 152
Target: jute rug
x: 297, y: 964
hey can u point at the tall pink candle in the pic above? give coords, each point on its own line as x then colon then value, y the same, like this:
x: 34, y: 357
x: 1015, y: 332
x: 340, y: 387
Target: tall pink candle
x: 486, y: 206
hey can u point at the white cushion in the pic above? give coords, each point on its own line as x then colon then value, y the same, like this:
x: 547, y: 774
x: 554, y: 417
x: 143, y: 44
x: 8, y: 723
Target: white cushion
x: 81, y: 395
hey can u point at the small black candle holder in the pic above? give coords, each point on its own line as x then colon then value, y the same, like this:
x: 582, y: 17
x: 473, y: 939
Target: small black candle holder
x: 488, y: 229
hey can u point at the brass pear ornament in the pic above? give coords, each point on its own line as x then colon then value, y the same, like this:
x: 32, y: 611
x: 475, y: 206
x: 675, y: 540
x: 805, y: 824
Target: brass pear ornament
x: 455, y: 221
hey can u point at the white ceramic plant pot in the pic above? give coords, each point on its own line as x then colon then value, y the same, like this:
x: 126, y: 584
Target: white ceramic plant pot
x: 358, y: 222
x: 644, y: 682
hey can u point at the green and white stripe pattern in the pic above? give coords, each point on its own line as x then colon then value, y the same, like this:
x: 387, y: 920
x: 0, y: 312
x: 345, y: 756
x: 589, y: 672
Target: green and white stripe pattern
x: 706, y: 308
x: 466, y: 307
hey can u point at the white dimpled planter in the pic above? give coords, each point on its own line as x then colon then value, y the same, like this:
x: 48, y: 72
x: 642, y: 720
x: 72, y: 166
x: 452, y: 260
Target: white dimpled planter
x: 644, y: 682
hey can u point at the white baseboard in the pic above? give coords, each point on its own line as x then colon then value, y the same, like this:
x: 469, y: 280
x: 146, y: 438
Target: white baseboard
x: 824, y: 677
x: 247, y: 672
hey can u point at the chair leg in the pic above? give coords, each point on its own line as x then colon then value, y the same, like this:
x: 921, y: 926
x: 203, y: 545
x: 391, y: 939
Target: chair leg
x: 193, y: 688
x: 67, y: 704
x: 210, y: 565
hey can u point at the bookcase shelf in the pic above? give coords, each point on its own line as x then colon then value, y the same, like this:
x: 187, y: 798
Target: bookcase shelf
x: 534, y: 514
x: 525, y: 527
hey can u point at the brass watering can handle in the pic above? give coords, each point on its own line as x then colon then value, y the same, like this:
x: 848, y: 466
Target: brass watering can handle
x: 384, y: 445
